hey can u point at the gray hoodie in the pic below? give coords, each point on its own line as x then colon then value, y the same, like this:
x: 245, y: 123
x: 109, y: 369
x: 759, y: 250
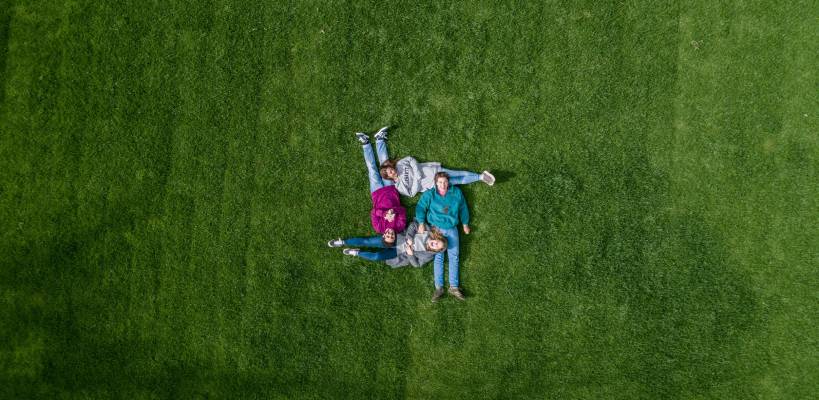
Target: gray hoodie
x: 414, y: 177
x: 419, y: 258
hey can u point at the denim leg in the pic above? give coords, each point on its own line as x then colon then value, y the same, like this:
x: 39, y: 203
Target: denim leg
x: 372, y: 169
x: 461, y: 177
x: 370, y: 241
x: 381, y: 150
x: 453, y: 253
x: 438, y: 270
x: 385, y: 254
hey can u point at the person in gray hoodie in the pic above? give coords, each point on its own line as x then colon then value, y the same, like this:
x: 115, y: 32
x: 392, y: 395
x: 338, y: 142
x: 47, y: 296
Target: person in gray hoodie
x: 411, y: 177
x: 412, y: 248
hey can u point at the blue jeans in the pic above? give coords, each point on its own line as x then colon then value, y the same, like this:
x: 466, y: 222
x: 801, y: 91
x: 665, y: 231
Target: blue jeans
x: 369, y: 241
x: 372, y: 169
x: 453, y: 251
x: 372, y: 241
x: 461, y: 177
x: 384, y: 254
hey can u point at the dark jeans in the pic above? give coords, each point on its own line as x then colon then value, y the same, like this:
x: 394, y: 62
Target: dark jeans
x: 372, y: 241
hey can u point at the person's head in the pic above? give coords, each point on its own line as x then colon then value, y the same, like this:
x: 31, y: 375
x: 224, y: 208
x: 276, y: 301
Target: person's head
x: 442, y: 181
x: 436, y: 242
x: 388, y: 237
x: 388, y: 170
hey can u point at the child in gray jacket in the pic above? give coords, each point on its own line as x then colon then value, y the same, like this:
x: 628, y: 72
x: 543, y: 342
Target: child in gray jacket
x: 411, y: 248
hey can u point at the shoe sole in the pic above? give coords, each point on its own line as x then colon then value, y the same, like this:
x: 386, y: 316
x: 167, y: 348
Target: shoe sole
x: 490, y: 179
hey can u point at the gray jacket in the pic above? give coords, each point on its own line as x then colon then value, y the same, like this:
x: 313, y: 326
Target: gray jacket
x: 414, y: 177
x: 419, y: 258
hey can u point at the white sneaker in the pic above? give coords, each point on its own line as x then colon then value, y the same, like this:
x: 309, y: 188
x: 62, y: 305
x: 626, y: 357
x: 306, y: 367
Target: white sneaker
x: 350, y: 252
x: 362, y: 137
x: 488, y: 178
x: 381, y: 134
x: 335, y: 243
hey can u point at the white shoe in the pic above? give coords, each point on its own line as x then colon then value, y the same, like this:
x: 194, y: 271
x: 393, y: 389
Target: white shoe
x: 381, y: 134
x: 488, y: 178
x: 350, y: 252
x: 362, y: 137
x: 335, y: 243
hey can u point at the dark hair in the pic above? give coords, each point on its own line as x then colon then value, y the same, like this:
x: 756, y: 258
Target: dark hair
x: 384, y: 166
x: 441, y: 174
x: 388, y: 244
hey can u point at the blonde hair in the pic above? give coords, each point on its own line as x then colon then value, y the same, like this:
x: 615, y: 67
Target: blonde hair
x: 435, y: 234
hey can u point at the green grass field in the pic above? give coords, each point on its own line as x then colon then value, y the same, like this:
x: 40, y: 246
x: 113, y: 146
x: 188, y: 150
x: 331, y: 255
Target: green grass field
x: 170, y: 172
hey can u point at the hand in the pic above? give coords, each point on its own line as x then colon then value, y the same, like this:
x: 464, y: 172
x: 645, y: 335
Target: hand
x: 390, y: 215
x: 422, y: 228
x: 466, y: 229
x: 408, y: 247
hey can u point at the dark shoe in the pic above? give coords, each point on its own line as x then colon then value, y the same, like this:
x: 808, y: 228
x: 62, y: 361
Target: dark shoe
x: 381, y: 134
x: 362, y: 138
x: 456, y: 293
x: 438, y: 294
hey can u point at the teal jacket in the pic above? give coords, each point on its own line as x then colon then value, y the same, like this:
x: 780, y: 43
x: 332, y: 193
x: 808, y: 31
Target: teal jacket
x: 442, y: 211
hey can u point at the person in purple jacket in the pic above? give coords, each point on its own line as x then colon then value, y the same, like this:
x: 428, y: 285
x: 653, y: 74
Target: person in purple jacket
x: 387, y: 215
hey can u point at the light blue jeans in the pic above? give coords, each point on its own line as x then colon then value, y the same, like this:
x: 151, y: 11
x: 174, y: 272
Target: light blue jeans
x: 372, y: 169
x: 452, y: 251
x: 461, y: 177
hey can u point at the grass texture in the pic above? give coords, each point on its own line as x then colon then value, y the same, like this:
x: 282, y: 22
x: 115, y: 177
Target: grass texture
x: 171, y: 170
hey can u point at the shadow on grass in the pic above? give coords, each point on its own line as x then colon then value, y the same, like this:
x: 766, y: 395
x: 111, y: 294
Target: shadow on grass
x: 502, y: 176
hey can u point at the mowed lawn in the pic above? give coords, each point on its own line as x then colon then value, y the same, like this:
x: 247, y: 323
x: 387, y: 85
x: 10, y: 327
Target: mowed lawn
x: 170, y: 173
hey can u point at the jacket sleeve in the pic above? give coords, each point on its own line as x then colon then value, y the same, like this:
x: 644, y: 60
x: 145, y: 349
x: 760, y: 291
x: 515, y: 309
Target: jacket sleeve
x: 422, y: 257
x: 401, y: 187
x: 464, y: 210
x: 400, y: 221
x: 416, y: 182
x: 412, y: 229
x: 422, y: 207
x: 378, y: 221
x: 413, y: 260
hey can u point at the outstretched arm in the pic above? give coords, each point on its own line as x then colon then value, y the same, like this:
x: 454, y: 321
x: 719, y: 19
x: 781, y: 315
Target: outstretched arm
x: 412, y: 229
x: 422, y: 208
x: 463, y: 210
x: 414, y: 261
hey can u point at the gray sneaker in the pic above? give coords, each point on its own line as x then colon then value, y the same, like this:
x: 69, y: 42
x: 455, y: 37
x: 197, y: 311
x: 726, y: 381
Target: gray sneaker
x: 488, y: 178
x: 381, y: 134
x: 456, y: 293
x: 335, y: 243
x: 362, y: 137
x: 438, y: 294
x: 350, y: 252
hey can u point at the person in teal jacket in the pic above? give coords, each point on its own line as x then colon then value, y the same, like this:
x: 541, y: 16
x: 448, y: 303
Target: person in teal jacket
x: 444, y: 207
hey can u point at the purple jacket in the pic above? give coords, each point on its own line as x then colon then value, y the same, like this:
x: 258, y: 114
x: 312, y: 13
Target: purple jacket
x: 384, y: 199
